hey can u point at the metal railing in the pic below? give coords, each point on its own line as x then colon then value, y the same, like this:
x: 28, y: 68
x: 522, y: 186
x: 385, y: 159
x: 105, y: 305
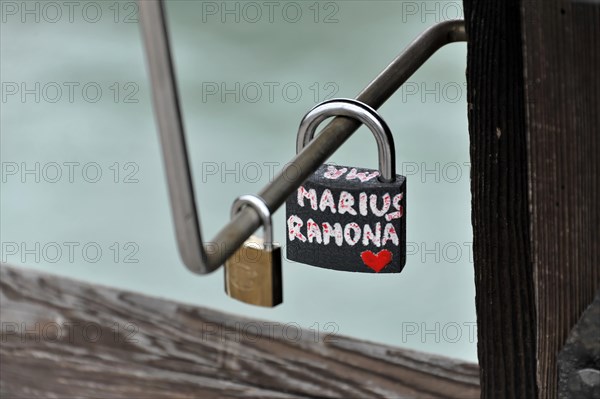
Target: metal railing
x: 201, y: 257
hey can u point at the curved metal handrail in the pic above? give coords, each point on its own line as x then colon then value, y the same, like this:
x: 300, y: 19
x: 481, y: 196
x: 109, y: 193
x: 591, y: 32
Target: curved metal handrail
x: 201, y: 257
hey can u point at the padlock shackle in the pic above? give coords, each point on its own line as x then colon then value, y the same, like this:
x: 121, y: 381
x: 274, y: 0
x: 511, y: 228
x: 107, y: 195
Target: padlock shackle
x: 258, y: 204
x: 356, y: 110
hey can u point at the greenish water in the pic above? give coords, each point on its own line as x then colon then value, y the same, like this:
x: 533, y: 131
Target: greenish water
x: 244, y: 87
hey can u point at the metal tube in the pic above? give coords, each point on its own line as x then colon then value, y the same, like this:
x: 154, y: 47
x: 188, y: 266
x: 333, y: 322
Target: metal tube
x: 202, y: 257
x: 170, y: 125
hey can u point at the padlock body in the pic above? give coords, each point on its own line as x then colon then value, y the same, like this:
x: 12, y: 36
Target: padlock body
x: 345, y: 218
x: 253, y: 274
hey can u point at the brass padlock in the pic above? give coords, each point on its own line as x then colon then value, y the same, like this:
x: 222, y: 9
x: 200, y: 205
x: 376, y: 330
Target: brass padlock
x: 253, y: 272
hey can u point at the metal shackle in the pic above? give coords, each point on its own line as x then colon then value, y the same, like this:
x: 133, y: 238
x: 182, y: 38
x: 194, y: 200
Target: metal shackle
x: 259, y: 205
x: 362, y: 112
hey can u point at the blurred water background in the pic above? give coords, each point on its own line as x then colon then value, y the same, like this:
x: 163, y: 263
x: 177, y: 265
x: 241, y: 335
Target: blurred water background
x: 76, y: 102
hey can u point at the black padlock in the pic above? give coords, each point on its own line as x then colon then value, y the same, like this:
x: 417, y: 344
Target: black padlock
x: 348, y: 218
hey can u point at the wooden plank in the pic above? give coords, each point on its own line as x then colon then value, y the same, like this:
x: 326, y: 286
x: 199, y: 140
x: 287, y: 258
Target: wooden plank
x: 150, y: 348
x: 562, y: 61
x: 533, y: 97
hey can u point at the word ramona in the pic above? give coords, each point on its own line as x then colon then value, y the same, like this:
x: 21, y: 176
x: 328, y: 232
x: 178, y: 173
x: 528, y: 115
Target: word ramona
x: 351, y: 233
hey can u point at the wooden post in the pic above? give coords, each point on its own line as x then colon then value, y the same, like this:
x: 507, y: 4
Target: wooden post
x: 534, y: 120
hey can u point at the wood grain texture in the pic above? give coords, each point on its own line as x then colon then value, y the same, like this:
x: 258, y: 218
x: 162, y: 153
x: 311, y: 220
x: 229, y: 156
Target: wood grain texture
x: 534, y: 109
x: 182, y: 351
x: 500, y: 214
x: 562, y: 61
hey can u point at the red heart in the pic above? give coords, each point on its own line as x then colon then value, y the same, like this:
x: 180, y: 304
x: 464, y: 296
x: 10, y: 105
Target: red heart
x: 376, y: 261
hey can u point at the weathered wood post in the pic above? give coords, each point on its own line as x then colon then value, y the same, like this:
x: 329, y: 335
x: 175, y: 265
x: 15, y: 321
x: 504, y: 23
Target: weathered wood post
x: 534, y: 116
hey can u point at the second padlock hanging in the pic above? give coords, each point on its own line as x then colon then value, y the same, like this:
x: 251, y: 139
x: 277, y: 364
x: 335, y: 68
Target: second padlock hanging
x: 349, y: 218
x: 253, y: 273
